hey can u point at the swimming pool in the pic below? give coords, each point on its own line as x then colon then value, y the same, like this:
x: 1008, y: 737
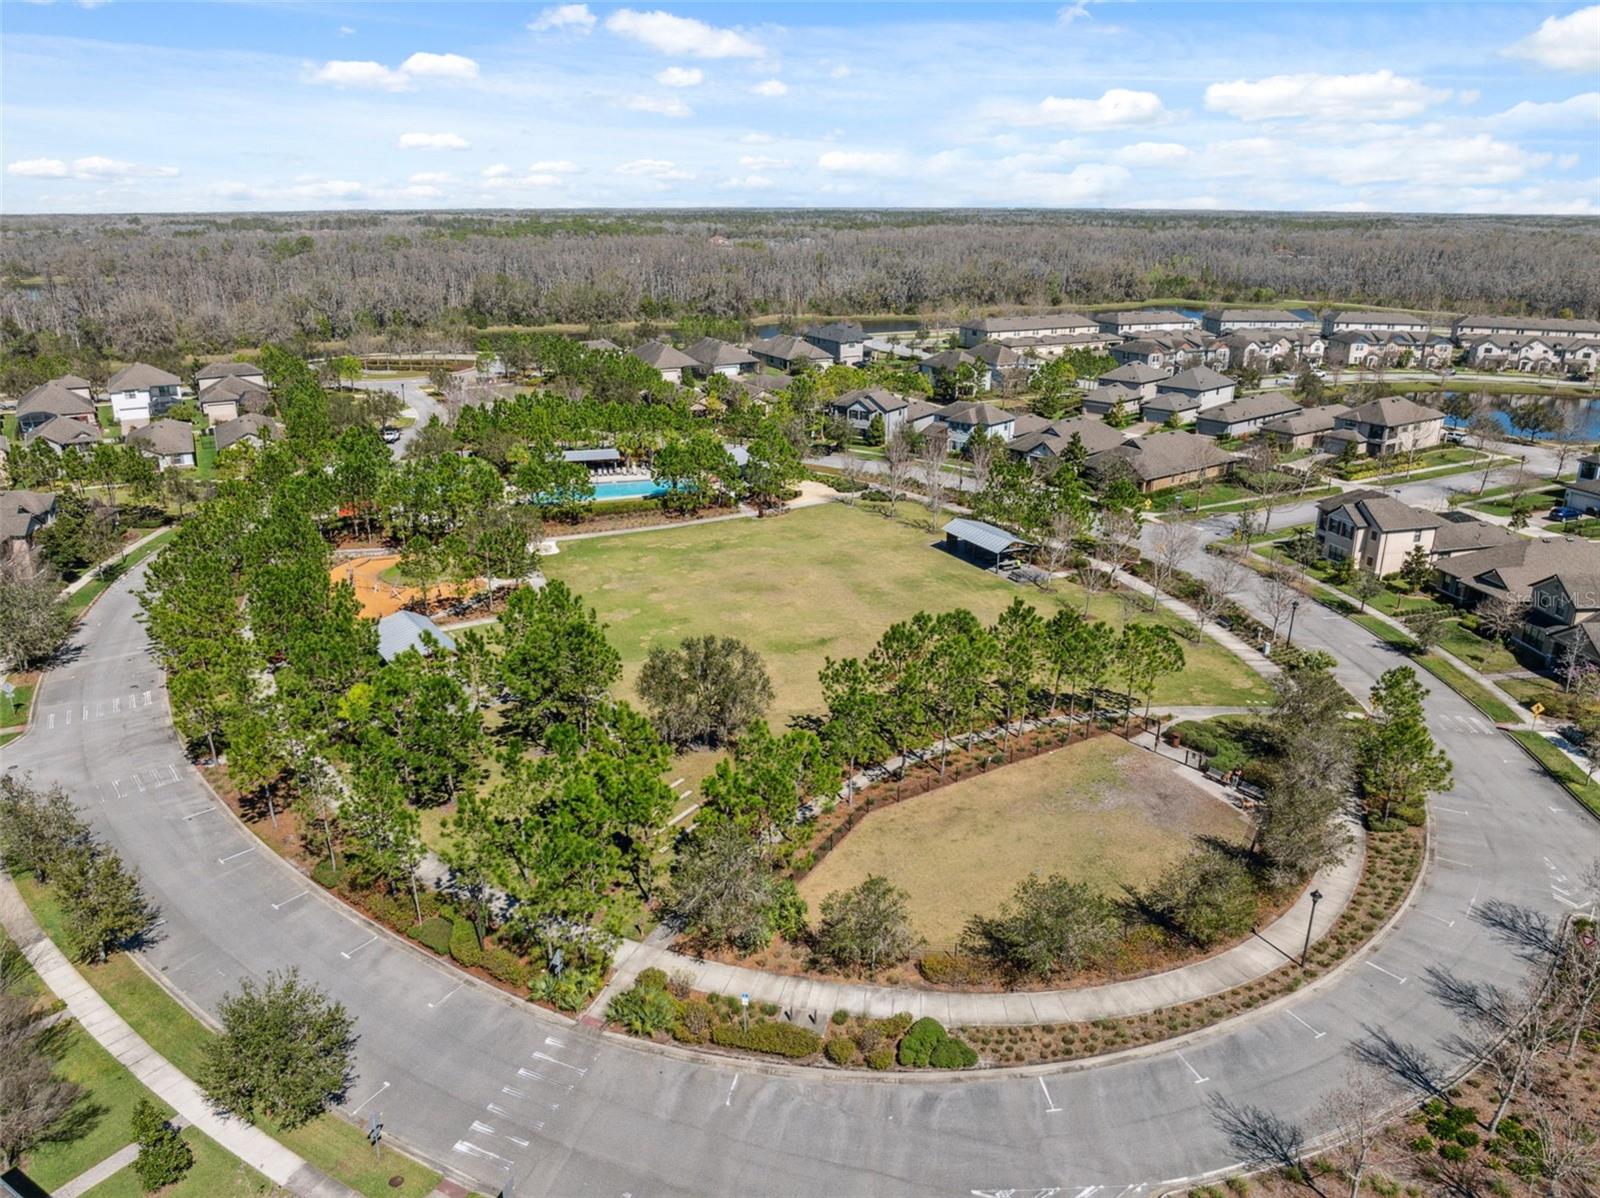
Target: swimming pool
x: 641, y: 488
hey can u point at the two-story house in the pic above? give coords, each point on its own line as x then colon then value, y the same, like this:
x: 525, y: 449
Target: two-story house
x: 1226, y: 320
x: 1244, y: 416
x: 1374, y: 322
x: 787, y: 352
x: 1373, y: 530
x: 843, y: 341
x: 1055, y: 439
x: 213, y: 373
x: 1136, y: 377
x: 1032, y: 329
x: 48, y: 401
x: 1304, y: 429
x: 963, y: 419
x: 1393, y: 425
x: 139, y: 393
x: 1135, y: 322
x: 861, y: 407
x: 1194, y: 390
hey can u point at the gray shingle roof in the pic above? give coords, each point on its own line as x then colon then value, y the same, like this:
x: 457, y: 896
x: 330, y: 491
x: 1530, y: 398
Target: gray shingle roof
x: 226, y: 370
x: 63, y: 430
x: 1198, y: 378
x: 1253, y: 407
x: 1021, y: 324
x: 251, y: 424
x: 711, y: 353
x: 839, y: 332
x: 55, y: 399
x: 1137, y: 373
x: 977, y: 413
x: 168, y: 438
x: 1166, y: 455
x: 1392, y: 410
x: 140, y: 377
x: 602, y: 454
x: 20, y: 511
x: 663, y: 356
x: 1144, y: 316
x: 878, y: 399
x: 787, y: 348
x: 1310, y: 420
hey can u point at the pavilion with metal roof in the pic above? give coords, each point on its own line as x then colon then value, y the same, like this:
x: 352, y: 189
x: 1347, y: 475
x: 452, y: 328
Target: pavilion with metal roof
x: 983, y: 543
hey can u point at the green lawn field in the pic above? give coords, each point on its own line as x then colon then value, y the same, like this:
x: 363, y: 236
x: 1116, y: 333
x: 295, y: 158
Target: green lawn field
x: 1101, y: 812
x: 821, y: 582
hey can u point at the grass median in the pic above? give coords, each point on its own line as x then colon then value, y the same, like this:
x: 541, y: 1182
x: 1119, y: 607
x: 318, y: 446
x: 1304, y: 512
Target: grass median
x: 1562, y: 768
x: 333, y: 1145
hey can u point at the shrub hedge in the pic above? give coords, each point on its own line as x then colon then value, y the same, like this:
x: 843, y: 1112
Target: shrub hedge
x: 464, y: 944
x: 435, y: 933
x: 779, y: 1039
x: 841, y: 1050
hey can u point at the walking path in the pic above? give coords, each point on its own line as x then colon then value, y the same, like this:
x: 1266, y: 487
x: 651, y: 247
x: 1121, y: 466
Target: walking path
x: 95, y: 1174
x: 251, y: 1145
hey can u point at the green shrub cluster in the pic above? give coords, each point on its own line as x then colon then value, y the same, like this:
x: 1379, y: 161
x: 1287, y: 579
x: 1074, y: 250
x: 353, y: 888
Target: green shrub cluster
x: 505, y: 966
x: 841, y: 1050
x: 694, y: 1022
x: 164, y: 1155
x: 644, y: 1009
x: 434, y: 933
x: 779, y: 1039
x: 881, y: 1058
x: 464, y: 945
x: 571, y: 991
x: 928, y: 1044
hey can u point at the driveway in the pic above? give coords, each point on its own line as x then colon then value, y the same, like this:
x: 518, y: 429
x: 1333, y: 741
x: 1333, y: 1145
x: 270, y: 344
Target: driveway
x: 412, y: 394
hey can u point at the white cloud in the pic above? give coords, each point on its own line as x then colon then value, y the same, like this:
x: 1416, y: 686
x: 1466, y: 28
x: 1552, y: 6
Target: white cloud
x: 38, y: 168
x: 376, y: 76
x: 346, y: 30
x: 747, y: 183
x: 681, y: 77
x: 328, y: 189
x: 1577, y: 112
x: 569, y: 18
x: 420, y: 192
x: 757, y: 139
x: 771, y: 87
x: 345, y: 73
x: 761, y: 162
x: 660, y: 105
x: 1567, y: 161
x: 1086, y: 182
x: 1569, y: 43
x: 426, y: 177
x: 432, y: 141
x: 839, y: 72
x: 96, y: 167
x: 497, y: 171
x: 683, y: 37
x: 865, y: 162
x: 651, y: 168
x: 1153, y: 153
x: 1468, y: 96
x: 1375, y: 96
x: 423, y: 65
x: 558, y: 167
x: 1117, y: 108
x: 1434, y: 161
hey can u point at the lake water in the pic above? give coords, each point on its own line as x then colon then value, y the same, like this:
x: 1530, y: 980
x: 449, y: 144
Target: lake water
x: 1582, y: 412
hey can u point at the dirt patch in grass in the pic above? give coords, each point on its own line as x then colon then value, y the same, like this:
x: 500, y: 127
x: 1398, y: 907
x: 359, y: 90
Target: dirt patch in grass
x: 1101, y: 812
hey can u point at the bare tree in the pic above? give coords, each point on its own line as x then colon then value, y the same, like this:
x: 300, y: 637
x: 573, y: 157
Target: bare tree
x: 1280, y: 591
x: 1357, y: 1112
x: 1569, y: 1152
x: 980, y: 450
x: 1578, y: 974
x: 1059, y: 546
x: 1484, y: 429
x: 1175, y: 544
x: 1119, y: 531
x: 1091, y: 580
x: 854, y: 472
x: 1512, y: 1030
x: 1263, y: 1139
x: 34, y: 1102
x: 935, y: 483
x: 1227, y: 576
x: 898, y: 455
x: 1498, y: 615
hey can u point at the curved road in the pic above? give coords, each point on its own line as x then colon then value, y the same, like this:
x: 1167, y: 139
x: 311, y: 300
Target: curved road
x: 502, y: 1092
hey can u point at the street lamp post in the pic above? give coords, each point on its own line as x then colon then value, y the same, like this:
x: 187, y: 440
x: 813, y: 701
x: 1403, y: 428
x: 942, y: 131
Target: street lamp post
x: 1294, y: 606
x: 1305, y: 951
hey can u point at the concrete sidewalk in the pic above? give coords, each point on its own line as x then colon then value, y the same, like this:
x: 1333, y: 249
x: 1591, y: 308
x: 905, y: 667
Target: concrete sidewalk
x: 251, y: 1145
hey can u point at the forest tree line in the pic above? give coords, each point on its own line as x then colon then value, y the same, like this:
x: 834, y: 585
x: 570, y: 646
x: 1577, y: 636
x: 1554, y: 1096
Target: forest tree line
x: 159, y: 287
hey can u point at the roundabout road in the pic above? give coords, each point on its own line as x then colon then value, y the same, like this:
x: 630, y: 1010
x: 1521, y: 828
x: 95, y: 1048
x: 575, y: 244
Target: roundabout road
x: 498, y: 1090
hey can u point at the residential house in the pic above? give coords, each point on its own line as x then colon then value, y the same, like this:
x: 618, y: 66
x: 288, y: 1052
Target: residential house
x: 1006, y: 365
x: 75, y: 384
x: 251, y: 429
x: 1052, y: 441
x: 668, y: 361
x: 1170, y: 407
x: 226, y: 398
x: 1532, y: 355
x: 1136, y: 377
x: 170, y: 442
x: 601, y: 345
x: 920, y: 415
x: 1303, y: 429
x: 1201, y: 384
x: 1026, y: 328
x: 1173, y: 351
x: 760, y: 389
x: 943, y: 369
x: 1102, y: 401
x: 861, y: 407
x: 1555, y: 581
x: 1044, y: 346
x: 844, y: 341
x: 246, y: 372
x: 1373, y: 530
x: 1393, y: 425
x: 1241, y: 417
x: 139, y: 393
x: 62, y: 433
x: 1583, y: 493
x: 874, y: 348
x: 1467, y: 328
x: 1136, y: 322
x: 1374, y: 322
x: 1561, y: 623
x: 50, y: 401
x: 1163, y: 460
x: 963, y: 419
x: 1226, y: 320
x: 719, y: 357
x: 22, y: 514
x: 786, y: 352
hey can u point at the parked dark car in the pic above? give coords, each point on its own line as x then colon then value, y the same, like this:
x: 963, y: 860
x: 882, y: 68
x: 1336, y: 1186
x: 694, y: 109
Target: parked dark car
x: 1563, y: 512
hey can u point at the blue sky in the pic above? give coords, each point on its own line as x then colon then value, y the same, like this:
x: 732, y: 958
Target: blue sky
x: 267, y: 106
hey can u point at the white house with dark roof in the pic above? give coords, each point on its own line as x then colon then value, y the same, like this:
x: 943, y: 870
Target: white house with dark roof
x: 62, y: 434
x: 963, y: 419
x: 1103, y: 400
x: 1136, y: 377
x: 1374, y: 322
x: 1467, y: 328
x: 1200, y: 383
x: 210, y: 375
x: 843, y: 341
x: 170, y: 442
x: 1225, y: 320
x: 860, y: 407
x: 139, y: 392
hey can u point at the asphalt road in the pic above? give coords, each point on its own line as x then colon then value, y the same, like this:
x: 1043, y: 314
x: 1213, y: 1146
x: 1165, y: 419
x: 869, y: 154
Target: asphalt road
x: 414, y: 397
x: 500, y: 1091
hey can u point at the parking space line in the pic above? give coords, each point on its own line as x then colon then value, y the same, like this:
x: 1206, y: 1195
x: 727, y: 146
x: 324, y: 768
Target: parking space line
x: 358, y: 948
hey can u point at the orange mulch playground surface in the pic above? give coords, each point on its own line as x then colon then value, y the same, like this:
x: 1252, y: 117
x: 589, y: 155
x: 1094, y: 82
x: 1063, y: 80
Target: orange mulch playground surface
x: 379, y: 597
